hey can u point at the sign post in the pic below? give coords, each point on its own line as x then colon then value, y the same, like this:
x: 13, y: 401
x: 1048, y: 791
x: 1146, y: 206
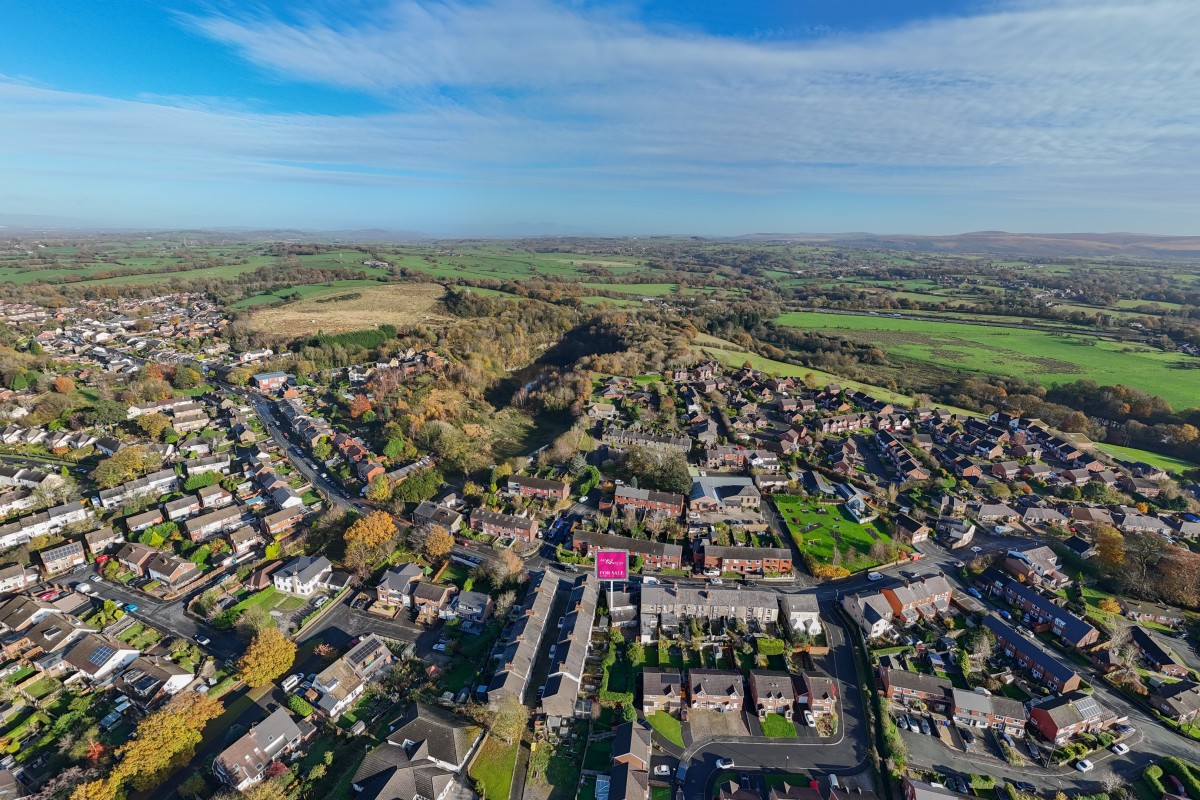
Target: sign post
x: 612, y: 565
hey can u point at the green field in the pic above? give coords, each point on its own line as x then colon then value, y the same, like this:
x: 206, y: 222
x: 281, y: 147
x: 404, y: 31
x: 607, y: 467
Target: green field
x: 776, y: 726
x: 817, y: 529
x: 1039, y: 355
x: 1154, y: 459
x: 640, y: 289
x: 306, y: 291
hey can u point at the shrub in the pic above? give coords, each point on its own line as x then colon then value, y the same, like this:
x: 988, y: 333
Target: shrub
x: 1153, y: 777
x: 1181, y: 770
x: 769, y: 647
x: 299, y: 706
x: 983, y: 782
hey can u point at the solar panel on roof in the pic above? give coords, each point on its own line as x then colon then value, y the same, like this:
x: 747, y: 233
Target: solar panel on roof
x: 1087, y: 707
x: 101, y: 655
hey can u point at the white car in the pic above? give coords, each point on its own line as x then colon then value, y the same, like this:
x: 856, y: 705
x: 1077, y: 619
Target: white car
x: 649, y: 581
x: 724, y: 763
x: 1120, y: 748
x: 809, y: 719
x: 1083, y: 765
x: 83, y: 587
x: 976, y: 549
x: 874, y: 576
x: 203, y: 640
x: 662, y: 770
x: 716, y: 582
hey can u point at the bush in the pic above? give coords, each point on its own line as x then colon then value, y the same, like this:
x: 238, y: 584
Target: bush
x: 983, y: 782
x: 299, y: 706
x: 201, y: 481
x: 769, y: 647
x: 1181, y: 770
x: 1153, y: 777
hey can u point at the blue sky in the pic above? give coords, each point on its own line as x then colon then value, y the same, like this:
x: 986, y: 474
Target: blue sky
x: 516, y: 117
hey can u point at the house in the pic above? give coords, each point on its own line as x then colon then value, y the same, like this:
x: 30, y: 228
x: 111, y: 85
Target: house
x: 1036, y: 566
x: 246, y: 761
x: 1072, y: 630
x: 1142, y: 611
x: 179, y: 509
x: 715, y: 689
x: 61, y: 558
x: 919, y: 790
x: 148, y: 679
x: 15, y: 577
x: 911, y: 530
x: 220, y: 520
x: 955, y: 533
x: 537, y: 488
x: 243, y: 540
x: 1080, y: 546
x: 654, y: 555
x: 140, y: 522
x: 647, y: 501
x: 521, y: 639
x: 474, y: 609
x: 772, y: 693
x: 1179, y: 701
x: 871, y: 611
x: 662, y: 690
x: 431, y: 602
x: 1006, y: 470
x: 270, y: 381
x: 1156, y: 655
x: 503, y: 526
x: 214, y: 497
x: 801, y: 612
x: 134, y: 557
x: 631, y: 746
x: 303, y: 575
x: 101, y: 540
x: 427, y: 750
x: 1029, y: 654
x: 1057, y: 719
x: 995, y: 512
x: 54, y: 633
x: 820, y: 694
x: 732, y: 790
x: 747, y: 560
x: 997, y: 712
x: 569, y: 663
x: 710, y: 603
x: 429, y: 513
x: 20, y: 612
x: 396, y: 586
x: 154, y: 484
x: 339, y: 685
x: 792, y: 791
x: 282, y: 521
x: 97, y: 656
x: 170, y: 569
x: 202, y: 466
x: 926, y: 598
x: 916, y: 690
x: 1041, y: 517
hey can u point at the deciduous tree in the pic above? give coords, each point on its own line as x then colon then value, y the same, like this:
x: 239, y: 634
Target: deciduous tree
x: 270, y: 655
x: 374, y: 530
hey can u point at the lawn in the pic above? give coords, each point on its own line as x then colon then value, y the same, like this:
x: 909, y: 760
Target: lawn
x: 1045, y: 356
x: 494, y: 765
x: 817, y: 533
x: 621, y: 677
x: 667, y: 727
x: 599, y: 755
x: 775, y: 726
x: 1154, y: 459
x: 660, y: 793
x: 1015, y: 692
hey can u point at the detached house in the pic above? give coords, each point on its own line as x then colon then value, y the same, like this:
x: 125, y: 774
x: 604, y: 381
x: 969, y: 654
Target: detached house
x: 772, y: 693
x: 246, y: 761
x: 303, y: 575
x: 662, y: 690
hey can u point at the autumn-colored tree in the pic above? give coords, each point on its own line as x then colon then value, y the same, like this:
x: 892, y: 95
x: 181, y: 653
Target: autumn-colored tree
x: 374, y: 530
x: 438, y: 542
x: 359, y: 406
x: 1110, y: 606
x: 103, y: 789
x: 508, y: 566
x: 153, y: 424
x: 186, y: 378
x: 64, y: 385
x: 1110, y: 547
x: 270, y: 655
x: 379, y: 490
x: 238, y: 376
x: 165, y: 740
x: 96, y: 751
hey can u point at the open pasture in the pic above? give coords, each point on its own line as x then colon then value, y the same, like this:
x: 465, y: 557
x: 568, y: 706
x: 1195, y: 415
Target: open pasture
x: 1040, y: 355
x: 360, y: 308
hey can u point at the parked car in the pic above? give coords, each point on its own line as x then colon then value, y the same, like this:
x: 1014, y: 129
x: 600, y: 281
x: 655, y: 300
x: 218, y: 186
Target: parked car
x: 874, y: 576
x: 1025, y: 786
x: 1176, y: 786
x: 440, y: 647
x: 662, y: 770
x: 650, y: 581
x: 1005, y: 614
x: 809, y: 719
x: 925, y: 729
x: 84, y: 588
x: 975, y: 593
x: 1120, y: 748
x: 130, y: 608
x: 1083, y: 765
x: 716, y: 582
x: 724, y: 763
x: 967, y: 736
x: 203, y: 640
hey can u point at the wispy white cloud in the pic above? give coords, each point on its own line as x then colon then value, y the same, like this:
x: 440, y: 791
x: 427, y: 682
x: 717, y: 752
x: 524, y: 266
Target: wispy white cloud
x: 1073, y: 102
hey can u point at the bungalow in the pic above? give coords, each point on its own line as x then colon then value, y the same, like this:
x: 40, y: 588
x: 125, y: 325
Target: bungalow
x: 995, y: 512
x: 1156, y: 655
x: 1057, y: 719
x: 1179, y: 701
x: 429, y: 513
x: 772, y: 693
x: 1151, y: 612
x: 715, y: 689
x: 148, y: 678
x: 1091, y: 516
x: 662, y: 690
x: 1042, y: 517
x: 427, y: 747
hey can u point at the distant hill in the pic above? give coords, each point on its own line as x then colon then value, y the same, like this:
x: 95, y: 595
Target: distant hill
x: 1001, y: 243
